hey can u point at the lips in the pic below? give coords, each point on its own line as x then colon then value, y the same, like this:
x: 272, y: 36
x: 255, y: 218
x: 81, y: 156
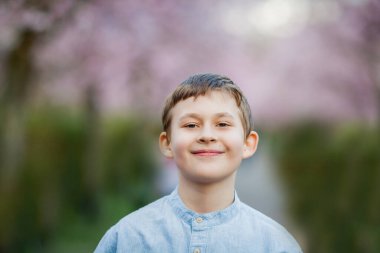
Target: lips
x: 207, y: 152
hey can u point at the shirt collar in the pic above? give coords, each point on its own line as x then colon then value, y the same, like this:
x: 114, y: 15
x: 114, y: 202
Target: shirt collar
x: 208, y: 219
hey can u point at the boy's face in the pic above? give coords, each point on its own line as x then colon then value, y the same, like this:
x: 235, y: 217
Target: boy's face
x: 207, y: 140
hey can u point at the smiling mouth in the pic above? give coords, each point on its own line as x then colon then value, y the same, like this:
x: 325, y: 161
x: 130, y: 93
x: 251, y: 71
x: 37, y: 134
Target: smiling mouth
x: 207, y: 152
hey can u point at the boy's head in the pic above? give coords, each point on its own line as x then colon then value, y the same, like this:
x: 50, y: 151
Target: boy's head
x: 199, y: 85
x: 207, y: 129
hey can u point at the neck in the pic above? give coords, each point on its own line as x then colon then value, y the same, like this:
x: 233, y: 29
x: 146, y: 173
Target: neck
x: 205, y: 198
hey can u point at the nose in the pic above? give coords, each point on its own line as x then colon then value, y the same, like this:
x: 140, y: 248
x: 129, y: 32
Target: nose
x: 206, y: 135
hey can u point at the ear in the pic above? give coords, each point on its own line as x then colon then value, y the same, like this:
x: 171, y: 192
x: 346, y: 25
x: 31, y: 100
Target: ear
x: 250, y: 144
x: 165, y: 145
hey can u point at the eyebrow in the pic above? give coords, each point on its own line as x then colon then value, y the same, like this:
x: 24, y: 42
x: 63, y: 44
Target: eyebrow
x: 224, y: 114
x: 197, y: 116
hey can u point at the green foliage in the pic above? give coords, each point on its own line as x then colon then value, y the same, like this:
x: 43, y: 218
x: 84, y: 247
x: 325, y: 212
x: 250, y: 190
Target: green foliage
x: 67, y: 192
x: 333, y: 179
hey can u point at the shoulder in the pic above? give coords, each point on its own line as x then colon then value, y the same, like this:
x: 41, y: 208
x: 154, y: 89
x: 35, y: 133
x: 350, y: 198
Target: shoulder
x: 149, y: 212
x: 131, y: 226
x: 271, y: 232
x: 145, y: 217
x: 261, y: 219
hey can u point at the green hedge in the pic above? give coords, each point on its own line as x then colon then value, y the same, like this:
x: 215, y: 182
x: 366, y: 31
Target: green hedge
x: 76, y: 178
x: 333, y: 179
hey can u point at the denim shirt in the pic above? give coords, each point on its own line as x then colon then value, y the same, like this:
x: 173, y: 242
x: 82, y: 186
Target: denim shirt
x: 166, y: 225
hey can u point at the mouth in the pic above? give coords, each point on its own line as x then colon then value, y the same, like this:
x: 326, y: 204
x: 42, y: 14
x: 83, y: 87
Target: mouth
x: 206, y: 152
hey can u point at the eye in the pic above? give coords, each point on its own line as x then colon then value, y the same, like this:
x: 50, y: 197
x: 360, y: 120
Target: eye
x: 190, y: 125
x: 223, y: 124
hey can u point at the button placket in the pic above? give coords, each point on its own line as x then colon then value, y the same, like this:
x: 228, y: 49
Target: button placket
x: 197, y: 250
x: 198, y: 235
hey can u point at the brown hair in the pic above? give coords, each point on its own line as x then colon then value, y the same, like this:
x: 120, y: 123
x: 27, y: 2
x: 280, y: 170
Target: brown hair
x: 200, y: 84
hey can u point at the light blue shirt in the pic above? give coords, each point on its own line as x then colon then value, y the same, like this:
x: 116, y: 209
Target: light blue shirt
x: 166, y: 226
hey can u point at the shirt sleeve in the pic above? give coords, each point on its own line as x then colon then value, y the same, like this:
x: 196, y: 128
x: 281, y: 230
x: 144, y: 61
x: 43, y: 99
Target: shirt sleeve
x: 108, y: 244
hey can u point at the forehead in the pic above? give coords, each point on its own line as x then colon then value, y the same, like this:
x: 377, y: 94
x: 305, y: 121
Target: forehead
x: 213, y: 102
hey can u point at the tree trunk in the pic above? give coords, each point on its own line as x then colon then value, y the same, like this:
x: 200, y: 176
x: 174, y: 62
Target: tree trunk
x: 13, y: 102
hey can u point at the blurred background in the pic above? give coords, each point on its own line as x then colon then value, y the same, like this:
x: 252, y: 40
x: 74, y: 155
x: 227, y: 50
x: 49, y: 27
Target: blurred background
x: 82, y: 85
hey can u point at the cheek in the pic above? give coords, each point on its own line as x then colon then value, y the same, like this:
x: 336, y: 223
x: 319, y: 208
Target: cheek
x: 180, y: 146
x: 237, y: 145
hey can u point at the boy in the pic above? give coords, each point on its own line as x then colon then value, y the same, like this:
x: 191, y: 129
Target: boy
x: 208, y: 130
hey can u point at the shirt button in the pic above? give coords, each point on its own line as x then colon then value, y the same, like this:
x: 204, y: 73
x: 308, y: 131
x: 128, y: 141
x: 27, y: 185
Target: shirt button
x: 197, y: 250
x: 198, y: 220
